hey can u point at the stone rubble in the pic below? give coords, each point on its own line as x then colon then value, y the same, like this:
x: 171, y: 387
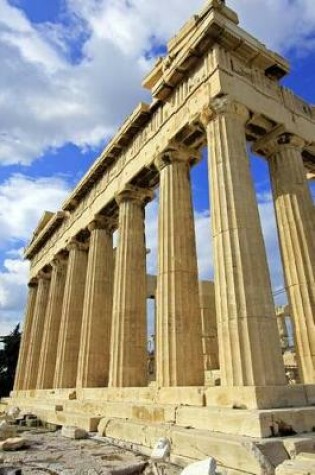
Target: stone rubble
x: 7, y: 430
x: 50, y: 453
x: 73, y: 432
x: 13, y: 443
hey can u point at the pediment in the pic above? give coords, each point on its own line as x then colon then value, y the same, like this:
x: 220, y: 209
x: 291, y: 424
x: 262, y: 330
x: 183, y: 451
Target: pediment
x: 44, y: 220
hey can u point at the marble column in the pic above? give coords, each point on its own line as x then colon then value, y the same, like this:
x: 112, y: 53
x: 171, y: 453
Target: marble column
x: 71, y: 317
x: 37, y: 331
x: 210, y: 347
x: 26, y: 335
x: 128, y: 363
x: 283, y: 332
x: 249, y: 346
x: 48, y: 356
x: 93, y: 367
x: 179, y: 360
x: 296, y: 228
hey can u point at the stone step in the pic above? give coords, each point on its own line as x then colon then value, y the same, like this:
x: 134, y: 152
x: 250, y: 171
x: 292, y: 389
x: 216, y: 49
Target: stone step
x: 247, y: 397
x: 297, y: 467
x: 252, y: 423
x: 84, y: 421
x: 298, y: 445
x: 244, y: 454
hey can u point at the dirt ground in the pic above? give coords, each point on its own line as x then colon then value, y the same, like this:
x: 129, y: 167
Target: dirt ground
x: 50, y: 453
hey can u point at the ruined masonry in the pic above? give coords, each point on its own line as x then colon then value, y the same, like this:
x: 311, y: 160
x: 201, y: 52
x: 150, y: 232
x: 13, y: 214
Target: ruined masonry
x: 84, y: 358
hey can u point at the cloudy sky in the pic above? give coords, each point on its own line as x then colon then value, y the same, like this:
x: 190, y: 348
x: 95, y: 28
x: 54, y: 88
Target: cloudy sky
x: 70, y: 72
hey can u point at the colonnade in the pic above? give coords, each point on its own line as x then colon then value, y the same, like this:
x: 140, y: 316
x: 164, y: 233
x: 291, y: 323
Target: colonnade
x: 86, y: 317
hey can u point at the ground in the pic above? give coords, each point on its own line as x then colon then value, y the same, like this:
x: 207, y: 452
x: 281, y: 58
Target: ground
x: 50, y: 453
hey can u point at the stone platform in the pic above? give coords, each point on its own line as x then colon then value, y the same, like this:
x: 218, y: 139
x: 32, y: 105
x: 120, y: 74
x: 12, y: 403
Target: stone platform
x: 238, y: 427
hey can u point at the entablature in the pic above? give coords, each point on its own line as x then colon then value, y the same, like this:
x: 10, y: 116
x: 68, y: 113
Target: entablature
x: 129, y: 157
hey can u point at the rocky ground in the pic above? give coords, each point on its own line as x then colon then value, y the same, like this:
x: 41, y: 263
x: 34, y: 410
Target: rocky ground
x: 48, y: 452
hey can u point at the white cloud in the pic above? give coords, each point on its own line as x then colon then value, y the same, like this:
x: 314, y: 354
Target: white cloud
x: 22, y: 203
x: 47, y: 100
x: 280, y: 24
x: 13, y: 290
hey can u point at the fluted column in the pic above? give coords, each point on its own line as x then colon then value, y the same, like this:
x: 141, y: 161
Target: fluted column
x: 71, y: 317
x: 249, y: 346
x: 128, y: 364
x: 93, y: 367
x: 26, y: 335
x: 210, y: 347
x: 179, y: 360
x: 48, y: 355
x: 283, y: 332
x: 296, y: 228
x: 37, y: 331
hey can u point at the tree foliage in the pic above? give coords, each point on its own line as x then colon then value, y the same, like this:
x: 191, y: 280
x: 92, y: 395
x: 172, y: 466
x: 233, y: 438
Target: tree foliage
x: 8, y: 360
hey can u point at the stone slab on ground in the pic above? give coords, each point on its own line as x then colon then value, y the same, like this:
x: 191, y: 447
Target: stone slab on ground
x: 14, y: 443
x: 73, y: 432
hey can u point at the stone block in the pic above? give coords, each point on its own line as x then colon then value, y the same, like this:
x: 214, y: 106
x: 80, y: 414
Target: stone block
x: 32, y: 422
x: 307, y: 457
x: 294, y: 446
x: 7, y: 430
x: 190, y: 396
x: 84, y: 421
x: 127, y: 431
x: 15, y: 443
x: 296, y: 467
x: 293, y: 421
x: 274, y: 451
x: 310, y: 393
x: 271, y: 397
x: 230, y: 421
x: 231, y: 452
x: 101, y: 428
x: 205, y: 467
x: 13, y: 412
x: 252, y: 397
x: 72, y: 432
x: 155, y: 414
x: 155, y: 432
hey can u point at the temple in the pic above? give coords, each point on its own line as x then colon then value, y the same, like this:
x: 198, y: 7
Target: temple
x: 216, y: 385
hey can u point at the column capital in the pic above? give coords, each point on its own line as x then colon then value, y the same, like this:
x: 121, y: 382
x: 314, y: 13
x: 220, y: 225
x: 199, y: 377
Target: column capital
x: 44, y: 275
x: 223, y: 106
x: 75, y: 244
x: 134, y: 193
x: 59, y: 261
x: 33, y: 282
x: 102, y: 222
x: 176, y: 152
x: 276, y: 140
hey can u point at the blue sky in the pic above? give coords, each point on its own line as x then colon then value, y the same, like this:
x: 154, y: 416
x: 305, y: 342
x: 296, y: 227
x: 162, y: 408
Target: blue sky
x: 71, y: 71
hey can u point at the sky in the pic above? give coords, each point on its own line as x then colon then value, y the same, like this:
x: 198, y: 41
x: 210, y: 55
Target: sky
x: 71, y: 71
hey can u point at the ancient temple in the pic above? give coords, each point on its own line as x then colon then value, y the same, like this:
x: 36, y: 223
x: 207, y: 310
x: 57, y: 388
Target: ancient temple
x: 84, y: 357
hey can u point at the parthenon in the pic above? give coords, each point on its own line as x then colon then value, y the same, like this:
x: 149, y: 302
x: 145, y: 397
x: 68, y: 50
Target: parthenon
x: 84, y: 358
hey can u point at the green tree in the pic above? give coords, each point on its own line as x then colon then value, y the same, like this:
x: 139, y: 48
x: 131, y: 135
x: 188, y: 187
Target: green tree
x: 8, y: 360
